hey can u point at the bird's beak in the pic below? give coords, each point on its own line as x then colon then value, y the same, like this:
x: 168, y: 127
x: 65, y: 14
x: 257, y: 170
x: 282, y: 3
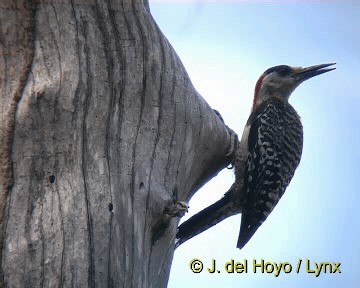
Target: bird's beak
x: 303, y: 74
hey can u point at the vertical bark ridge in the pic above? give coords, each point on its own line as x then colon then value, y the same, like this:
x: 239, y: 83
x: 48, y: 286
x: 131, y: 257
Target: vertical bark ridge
x: 116, y: 274
x: 113, y: 107
x: 101, y: 14
x: 79, y: 102
x: 173, y: 94
x: 134, y: 155
x: 53, y: 166
x: 147, y: 133
x: 16, y: 54
x: 182, y: 146
x: 85, y: 160
x: 150, y: 204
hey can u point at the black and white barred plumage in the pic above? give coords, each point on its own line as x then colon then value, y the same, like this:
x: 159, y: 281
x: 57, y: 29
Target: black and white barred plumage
x: 274, y: 147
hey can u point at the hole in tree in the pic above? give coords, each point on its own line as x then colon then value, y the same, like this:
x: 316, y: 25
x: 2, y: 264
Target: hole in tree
x: 52, y: 179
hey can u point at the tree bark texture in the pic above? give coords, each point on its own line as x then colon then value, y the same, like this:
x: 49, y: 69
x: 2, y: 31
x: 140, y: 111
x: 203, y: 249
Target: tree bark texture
x: 101, y: 129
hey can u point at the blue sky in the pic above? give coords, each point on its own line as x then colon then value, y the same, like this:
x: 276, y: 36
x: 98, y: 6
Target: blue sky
x: 225, y: 47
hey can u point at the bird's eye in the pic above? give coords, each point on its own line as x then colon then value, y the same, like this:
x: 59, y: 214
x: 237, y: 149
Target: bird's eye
x: 284, y: 70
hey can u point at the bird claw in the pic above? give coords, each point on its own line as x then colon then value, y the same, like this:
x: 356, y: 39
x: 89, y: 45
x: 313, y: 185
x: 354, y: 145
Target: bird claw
x: 233, y: 142
x: 233, y: 136
x: 177, y: 240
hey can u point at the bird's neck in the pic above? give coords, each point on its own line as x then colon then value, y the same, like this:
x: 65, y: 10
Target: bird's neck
x: 263, y: 96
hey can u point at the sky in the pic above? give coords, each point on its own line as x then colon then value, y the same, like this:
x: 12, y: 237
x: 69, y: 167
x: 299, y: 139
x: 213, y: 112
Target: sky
x: 225, y: 46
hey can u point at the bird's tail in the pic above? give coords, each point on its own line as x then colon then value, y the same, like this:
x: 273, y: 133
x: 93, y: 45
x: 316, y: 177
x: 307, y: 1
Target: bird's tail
x: 246, y: 231
x: 205, y: 219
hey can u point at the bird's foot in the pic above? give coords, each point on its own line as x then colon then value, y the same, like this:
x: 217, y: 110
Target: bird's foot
x: 233, y: 136
x: 177, y: 242
x: 233, y: 142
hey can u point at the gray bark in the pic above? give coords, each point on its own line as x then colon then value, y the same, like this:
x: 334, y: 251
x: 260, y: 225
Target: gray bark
x: 100, y: 130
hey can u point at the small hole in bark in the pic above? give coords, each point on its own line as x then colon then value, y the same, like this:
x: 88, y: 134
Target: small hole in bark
x: 52, y: 179
x: 111, y: 206
x: 141, y: 185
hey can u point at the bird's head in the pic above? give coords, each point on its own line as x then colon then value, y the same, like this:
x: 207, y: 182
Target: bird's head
x: 281, y: 81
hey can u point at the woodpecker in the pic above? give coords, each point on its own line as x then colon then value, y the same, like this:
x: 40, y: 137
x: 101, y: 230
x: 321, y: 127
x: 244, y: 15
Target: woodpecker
x: 266, y: 157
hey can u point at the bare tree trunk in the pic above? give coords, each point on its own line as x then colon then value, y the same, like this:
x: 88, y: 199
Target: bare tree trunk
x: 100, y: 130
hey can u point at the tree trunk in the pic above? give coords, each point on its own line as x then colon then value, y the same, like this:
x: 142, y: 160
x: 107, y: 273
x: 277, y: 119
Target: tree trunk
x: 101, y: 130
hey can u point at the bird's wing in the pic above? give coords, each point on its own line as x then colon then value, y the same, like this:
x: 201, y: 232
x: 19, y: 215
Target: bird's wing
x: 273, y: 154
